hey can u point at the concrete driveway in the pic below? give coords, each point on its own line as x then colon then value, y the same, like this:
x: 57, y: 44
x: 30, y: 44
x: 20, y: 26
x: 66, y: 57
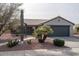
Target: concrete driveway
x: 71, y: 42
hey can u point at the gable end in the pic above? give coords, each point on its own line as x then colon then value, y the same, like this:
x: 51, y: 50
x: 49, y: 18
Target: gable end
x: 56, y: 18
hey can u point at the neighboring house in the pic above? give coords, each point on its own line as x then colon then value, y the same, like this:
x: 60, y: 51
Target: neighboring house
x: 60, y: 26
x: 76, y: 29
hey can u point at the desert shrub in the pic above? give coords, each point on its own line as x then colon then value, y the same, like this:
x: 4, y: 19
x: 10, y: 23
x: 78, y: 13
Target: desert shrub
x: 59, y: 42
x: 12, y: 43
x: 41, y: 32
x: 29, y: 41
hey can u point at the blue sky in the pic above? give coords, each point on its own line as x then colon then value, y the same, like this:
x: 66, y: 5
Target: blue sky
x: 69, y: 11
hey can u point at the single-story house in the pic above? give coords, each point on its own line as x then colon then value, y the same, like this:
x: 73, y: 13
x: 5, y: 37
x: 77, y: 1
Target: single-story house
x: 61, y: 26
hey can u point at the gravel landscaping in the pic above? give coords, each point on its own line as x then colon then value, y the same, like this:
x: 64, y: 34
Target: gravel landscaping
x: 33, y: 46
x: 71, y: 47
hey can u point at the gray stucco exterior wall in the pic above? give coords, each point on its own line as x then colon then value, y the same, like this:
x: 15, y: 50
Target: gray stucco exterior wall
x: 59, y: 21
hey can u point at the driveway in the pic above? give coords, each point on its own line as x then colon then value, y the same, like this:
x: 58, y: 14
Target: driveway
x: 71, y: 42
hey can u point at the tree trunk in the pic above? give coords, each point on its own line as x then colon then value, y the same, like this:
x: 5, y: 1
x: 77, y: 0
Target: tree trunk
x: 44, y: 37
x: 40, y: 41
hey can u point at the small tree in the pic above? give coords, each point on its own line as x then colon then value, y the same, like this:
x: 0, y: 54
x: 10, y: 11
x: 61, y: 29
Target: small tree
x: 8, y: 13
x: 42, y: 32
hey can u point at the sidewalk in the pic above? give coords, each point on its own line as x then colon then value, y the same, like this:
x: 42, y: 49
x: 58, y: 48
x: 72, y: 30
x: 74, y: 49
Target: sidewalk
x: 43, y: 52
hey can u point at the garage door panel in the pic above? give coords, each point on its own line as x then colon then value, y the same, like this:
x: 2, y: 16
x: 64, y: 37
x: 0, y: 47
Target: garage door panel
x: 60, y: 31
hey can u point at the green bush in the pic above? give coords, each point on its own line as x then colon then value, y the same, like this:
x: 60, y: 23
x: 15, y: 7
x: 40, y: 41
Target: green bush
x: 29, y: 41
x: 12, y: 43
x: 41, y: 32
x: 59, y: 42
